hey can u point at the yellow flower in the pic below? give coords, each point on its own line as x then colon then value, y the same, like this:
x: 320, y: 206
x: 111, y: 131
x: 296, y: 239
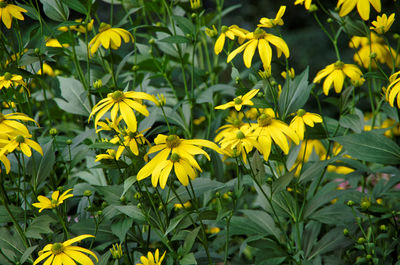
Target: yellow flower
x: 182, y: 158
x: 235, y: 120
x: 211, y: 32
x: 307, y: 3
x: 125, y: 103
x: 47, y: 70
x: 229, y: 32
x: 269, y: 129
x: 291, y: 73
x: 56, y: 200
x: 270, y: 23
x: 82, y: 28
x: 152, y: 260
x: 393, y: 89
x: 110, y: 154
x: 213, y: 230
x: 302, y: 117
x: 116, y: 251
x: 199, y: 120
x: 9, y: 79
x: 9, y: 123
x: 8, y: 11
x: 306, y: 149
x: 346, y: 6
x: 178, y: 206
x: 240, y: 101
x: 14, y: 57
x: 55, y: 43
x: 335, y: 74
x: 63, y: 253
x: 109, y: 37
x: 22, y: 143
x: 129, y: 139
x: 261, y: 40
x: 382, y: 24
x: 195, y: 4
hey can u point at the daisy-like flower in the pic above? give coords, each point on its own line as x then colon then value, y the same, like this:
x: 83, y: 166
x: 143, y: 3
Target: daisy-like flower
x: 152, y: 259
x: 277, y: 21
x: 363, y: 8
x: 195, y: 4
x: 8, y: 11
x: 64, y: 253
x: 109, y: 37
x: 306, y: 3
x: 235, y: 122
x: 335, y: 74
x: 392, y: 91
x: 268, y: 129
x: 22, y: 143
x: 229, y: 32
x: 110, y: 154
x: 240, y: 101
x: 82, y: 28
x: 291, y: 73
x: 116, y: 251
x: 181, y: 154
x: 56, y: 200
x: 130, y: 139
x: 52, y: 42
x: 125, y: 103
x: 261, y: 40
x: 9, y: 79
x: 178, y: 206
x: 303, y: 118
x: 9, y: 123
x: 47, y: 70
x: 242, y: 141
x: 382, y: 23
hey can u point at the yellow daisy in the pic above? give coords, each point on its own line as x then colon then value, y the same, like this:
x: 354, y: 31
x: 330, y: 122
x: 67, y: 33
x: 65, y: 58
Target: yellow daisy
x: 392, y: 91
x: 346, y: 6
x: 291, y: 73
x: 9, y: 123
x: 152, y: 260
x: 182, y: 153
x: 335, y: 74
x: 109, y: 37
x: 125, y: 103
x: 261, y: 40
x: 63, y: 253
x: 52, y: 42
x: 46, y: 70
x: 22, y: 143
x: 82, y: 28
x: 178, y: 206
x: 382, y: 23
x: 235, y: 120
x: 110, y: 154
x: 9, y: 79
x: 303, y: 118
x: 269, y: 129
x: 130, y: 139
x: 277, y: 21
x: 116, y: 251
x: 8, y: 11
x: 306, y: 3
x: 56, y: 200
x: 240, y: 101
x: 229, y: 32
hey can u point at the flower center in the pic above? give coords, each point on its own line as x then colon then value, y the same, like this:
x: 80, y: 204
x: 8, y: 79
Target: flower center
x: 238, y: 101
x: 301, y: 112
x: 131, y: 135
x: 237, y: 122
x: 117, y: 95
x: 7, y: 76
x: 339, y: 65
x: 259, y: 33
x: 175, y: 157
x: 240, y: 135
x: 54, y: 203
x: 173, y: 141
x: 224, y: 29
x: 104, y: 27
x: 20, y: 139
x: 57, y: 248
x: 264, y: 120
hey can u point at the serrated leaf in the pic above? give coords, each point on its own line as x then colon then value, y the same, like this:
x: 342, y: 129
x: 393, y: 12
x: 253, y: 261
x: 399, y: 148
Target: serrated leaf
x: 189, y: 240
x: 351, y: 121
x: 27, y: 253
x: 184, y: 24
x: 188, y: 259
x: 371, y: 147
x: 121, y: 228
x: 132, y: 211
x: 40, y: 225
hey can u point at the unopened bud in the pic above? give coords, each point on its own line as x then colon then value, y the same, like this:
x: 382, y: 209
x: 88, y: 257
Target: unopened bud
x: 350, y: 203
x: 53, y: 131
x: 382, y: 227
x: 345, y: 232
x: 69, y: 142
x: 361, y: 240
x: 87, y: 193
x: 313, y: 8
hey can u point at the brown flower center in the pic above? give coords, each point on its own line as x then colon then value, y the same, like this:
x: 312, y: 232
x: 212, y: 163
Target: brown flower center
x: 3, y: 4
x: 173, y: 141
x: 2, y: 117
x: 117, y: 95
x: 57, y: 248
x: 264, y: 120
x: 20, y: 139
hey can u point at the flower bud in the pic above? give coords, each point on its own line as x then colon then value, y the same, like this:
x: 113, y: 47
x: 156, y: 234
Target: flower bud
x: 104, y: 205
x: 350, y: 203
x: 98, y: 84
x: 329, y: 20
x: 100, y: 213
x: 53, y: 132
x: 69, y: 142
x: 368, y: 257
x: 345, y: 232
x: 37, y: 51
x: 361, y: 240
x: 382, y: 227
x: 313, y: 8
x: 152, y: 41
x: 87, y: 193
x: 365, y: 203
x: 135, y: 68
x: 122, y: 199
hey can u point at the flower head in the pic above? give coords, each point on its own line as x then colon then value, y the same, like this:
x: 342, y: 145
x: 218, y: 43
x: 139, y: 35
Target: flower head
x: 56, y: 200
x: 125, y: 103
x: 335, y: 74
x: 195, y: 4
x: 116, y: 251
x: 152, y: 260
x: 55, y: 43
x: 382, y: 23
x: 363, y: 8
x: 306, y: 3
x: 277, y: 21
x: 261, y: 40
x: 178, y: 206
x: 303, y: 118
x: 20, y: 142
x: 307, y: 147
x: 9, y: 79
x: 109, y: 37
x: 8, y: 11
x: 10, y: 125
x: 81, y: 27
x: 64, y: 253
x: 46, y: 70
x: 291, y: 73
x: 229, y: 32
x: 392, y: 91
x: 129, y: 139
x: 240, y: 101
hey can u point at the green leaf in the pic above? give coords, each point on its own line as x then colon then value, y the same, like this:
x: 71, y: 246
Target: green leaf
x: 294, y: 94
x: 11, y: 241
x: 351, y: 121
x: 174, y: 222
x: 189, y: 240
x: 371, y: 147
x: 264, y: 221
x: 330, y: 241
x: 128, y: 184
x: 281, y: 183
x: 103, y: 260
x: 188, y: 259
x: 102, y: 145
x: 74, y: 97
x: 122, y: 227
x: 184, y: 24
x: 133, y: 212
x: 27, y: 253
x: 55, y: 10
x: 16, y: 211
x: 76, y: 5
x: 175, y: 39
x: 315, y: 170
x: 40, y: 225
